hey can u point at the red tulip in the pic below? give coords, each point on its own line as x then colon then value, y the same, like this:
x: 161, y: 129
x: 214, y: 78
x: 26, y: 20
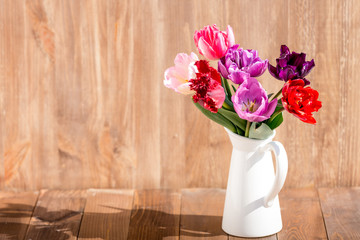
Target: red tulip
x: 207, y: 85
x: 300, y: 101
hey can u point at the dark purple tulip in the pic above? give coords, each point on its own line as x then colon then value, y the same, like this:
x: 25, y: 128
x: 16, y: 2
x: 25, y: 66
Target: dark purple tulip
x: 291, y: 66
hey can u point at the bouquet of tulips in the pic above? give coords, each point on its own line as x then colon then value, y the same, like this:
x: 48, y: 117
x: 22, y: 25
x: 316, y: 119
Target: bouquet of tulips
x: 231, y: 95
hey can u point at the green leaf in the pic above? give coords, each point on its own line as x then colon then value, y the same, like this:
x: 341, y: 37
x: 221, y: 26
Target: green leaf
x: 276, y: 121
x: 276, y: 118
x: 262, y: 132
x: 226, y: 106
x: 225, y: 85
x: 217, y: 117
x: 227, y: 91
x: 230, y: 103
x: 234, y: 88
x: 234, y: 118
x: 239, y: 131
x: 278, y: 106
x: 270, y: 95
x: 222, y: 83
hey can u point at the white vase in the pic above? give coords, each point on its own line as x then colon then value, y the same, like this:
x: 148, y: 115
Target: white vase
x: 251, y: 205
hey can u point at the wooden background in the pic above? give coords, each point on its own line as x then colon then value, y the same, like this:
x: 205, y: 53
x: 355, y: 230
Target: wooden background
x: 82, y: 103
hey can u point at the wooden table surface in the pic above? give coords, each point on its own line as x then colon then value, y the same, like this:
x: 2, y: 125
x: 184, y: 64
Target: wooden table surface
x: 325, y: 213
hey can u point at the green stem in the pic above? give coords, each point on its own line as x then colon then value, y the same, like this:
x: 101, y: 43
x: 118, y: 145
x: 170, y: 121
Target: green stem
x: 226, y: 83
x: 248, y: 123
x: 276, y: 113
x: 276, y: 95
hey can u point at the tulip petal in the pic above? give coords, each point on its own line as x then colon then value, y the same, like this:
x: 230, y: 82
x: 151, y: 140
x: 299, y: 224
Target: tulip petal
x: 213, y: 43
x: 244, y: 62
x: 284, y: 50
x: 246, y: 58
x: 251, y: 102
x: 273, y: 71
x: 307, y: 82
x: 307, y: 67
x: 230, y: 36
x: 258, y: 68
x: 271, y: 107
x: 217, y: 95
x: 219, y: 45
x: 300, y: 101
x: 291, y: 66
x: 185, y: 89
x: 194, y: 56
x: 287, y: 73
x: 177, y: 77
x: 206, y: 50
x: 222, y: 69
x: 239, y: 77
x: 297, y: 59
x: 207, y: 85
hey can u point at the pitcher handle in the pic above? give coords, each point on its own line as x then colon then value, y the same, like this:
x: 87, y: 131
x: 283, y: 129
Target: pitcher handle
x: 281, y: 171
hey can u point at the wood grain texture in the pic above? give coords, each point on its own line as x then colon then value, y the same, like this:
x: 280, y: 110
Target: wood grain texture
x: 159, y: 214
x: 121, y: 125
x: 301, y: 215
x: 349, y: 143
x: 81, y: 66
x: 106, y: 215
x: 341, y: 210
x: 155, y: 215
x: 201, y: 214
x: 147, y: 104
x: 15, y: 213
x: 38, y: 102
x: 173, y: 124
x: 81, y: 93
x: 207, y: 158
x: 57, y: 215
x: 16, y: 134
x: 328, y: 136
x: 301, y: 28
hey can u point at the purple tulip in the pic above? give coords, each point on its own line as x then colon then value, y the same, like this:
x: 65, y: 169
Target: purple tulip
x: 239, y: 64
x: 251, y: 102
x: 291, y: 66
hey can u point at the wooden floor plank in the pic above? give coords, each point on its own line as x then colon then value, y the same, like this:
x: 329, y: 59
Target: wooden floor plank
x: 57, y: 215
x: 155, y: 215
x: 107, y: 214
x: 301, y: 215
x: 201, y: 214
x: 15, y: 213
x: 341, y: 210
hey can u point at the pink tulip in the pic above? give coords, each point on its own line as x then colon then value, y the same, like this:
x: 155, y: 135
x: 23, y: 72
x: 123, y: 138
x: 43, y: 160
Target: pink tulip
x: 178, y: 76
x: 213, y: 43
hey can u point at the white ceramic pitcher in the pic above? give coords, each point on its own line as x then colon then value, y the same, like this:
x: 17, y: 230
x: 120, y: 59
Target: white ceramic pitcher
x: 251, y: 205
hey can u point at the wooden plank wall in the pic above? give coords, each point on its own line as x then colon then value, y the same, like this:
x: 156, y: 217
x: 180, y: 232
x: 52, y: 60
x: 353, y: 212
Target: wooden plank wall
x: 82, y: 102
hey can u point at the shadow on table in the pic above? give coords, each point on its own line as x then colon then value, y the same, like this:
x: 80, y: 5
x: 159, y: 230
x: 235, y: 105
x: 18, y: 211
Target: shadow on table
x: 60, y: 225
